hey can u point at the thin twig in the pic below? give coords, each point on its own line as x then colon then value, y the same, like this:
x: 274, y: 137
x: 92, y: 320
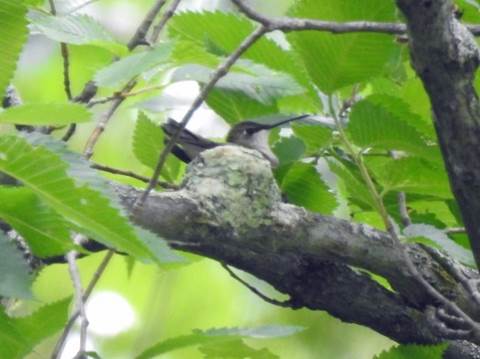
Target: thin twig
x: 66, y: 70
x: 285, y: 304
x: 221, y: 71
x: 124, y: 95
x: 402, y: 201
x: 79, y: 305
x: 455, y: 230
x: 287, y: 24
x: 102, y: 123
x: 65, y: 56
x: 140, y: 35
x: 131, y: 174
x: 163, y: 21
x: 88, y: 291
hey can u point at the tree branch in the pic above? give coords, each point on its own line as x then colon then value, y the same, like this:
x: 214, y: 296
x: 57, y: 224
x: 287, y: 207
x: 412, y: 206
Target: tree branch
x: 304, y: 255
x: 140, y: 36
x: 287, y: 24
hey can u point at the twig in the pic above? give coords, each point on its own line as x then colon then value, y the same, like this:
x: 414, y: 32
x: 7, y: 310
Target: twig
x: 455, y: 230
x: 402, y: 201
x: 124, y: 95
x: 88, y: 291
x: 287, y: 24
x: 285, y: 304
x: 221, y: 71
x: 66, y: 59
x: 163, y: 21
x: 66, y: 70
x: 97, y: 132
x: 140, y: 35
x: 80, y: 305
x: 131, y: 174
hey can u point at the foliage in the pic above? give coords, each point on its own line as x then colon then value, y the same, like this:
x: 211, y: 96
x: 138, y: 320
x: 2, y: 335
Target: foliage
x: 378, y: 139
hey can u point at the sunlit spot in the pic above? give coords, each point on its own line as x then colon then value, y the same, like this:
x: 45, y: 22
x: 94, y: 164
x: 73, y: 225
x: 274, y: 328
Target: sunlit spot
x: 109, y: 314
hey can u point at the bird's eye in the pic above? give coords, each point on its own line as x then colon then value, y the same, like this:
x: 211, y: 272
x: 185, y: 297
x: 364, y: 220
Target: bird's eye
x: 249, y: 131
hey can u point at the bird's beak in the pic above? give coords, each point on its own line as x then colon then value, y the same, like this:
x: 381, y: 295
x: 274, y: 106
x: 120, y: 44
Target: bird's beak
x: 296, y: 118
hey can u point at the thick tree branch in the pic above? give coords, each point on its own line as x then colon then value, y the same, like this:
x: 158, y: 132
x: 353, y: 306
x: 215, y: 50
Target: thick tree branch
x: 230, y: 209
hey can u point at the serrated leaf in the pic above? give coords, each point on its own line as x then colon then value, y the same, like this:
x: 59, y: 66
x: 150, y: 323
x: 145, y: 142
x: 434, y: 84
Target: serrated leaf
x: 122, y: 71
x: 303, y: 186
x: 235, y: 106
x: 235, y: 349
x: 46, y: 232
x: 55, y: 114
x: 13, y: 34
x: 222, y: 32
x: 20, y: 335
x: 413, y: 175
x: 76, y: 30
x: 414, y: 351
x: 314, y: 137
x: 335, y: 61
x: 15, y: 279
x: 148, y: 142
x: 45, y: 173
x: 374, y: 126
x: 211, y: 336
x: 441, y: 239
x: 402, y: 110
x: 254, y: 80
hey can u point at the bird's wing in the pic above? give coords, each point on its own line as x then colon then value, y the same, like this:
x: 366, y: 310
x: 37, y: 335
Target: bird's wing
x: 189, y: 145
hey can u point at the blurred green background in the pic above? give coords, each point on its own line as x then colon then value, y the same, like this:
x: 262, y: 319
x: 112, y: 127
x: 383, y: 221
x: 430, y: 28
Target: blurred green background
x: 135, y: 308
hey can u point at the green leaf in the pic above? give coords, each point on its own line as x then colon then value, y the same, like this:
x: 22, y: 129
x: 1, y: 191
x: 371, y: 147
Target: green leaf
x: 403, y: 110
x: 289, y: 149
x: 20, y: 335
x: 373, y: 125
x: 256, y: 81
x: 235, y: 349
x: 414, y: 351
x: 15, y: 279
x: 234, y: 106
x: 122, y: 71
x: 336, y: 61
x: 13, y: 34
x: 314, y: 136
x: 353, y: 185
x: 413, y: 175
x: 212, y: 336
x: 303, y: 186
x: 46, y: 232
x: 45, y: 173
x: 148, y: 142
x: 46, y: 114
x: 222, y: 32
x: 75, y: 30
x: 439, y: 237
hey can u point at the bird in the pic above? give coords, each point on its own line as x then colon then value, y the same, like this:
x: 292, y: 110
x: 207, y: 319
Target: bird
x: 249, y: 134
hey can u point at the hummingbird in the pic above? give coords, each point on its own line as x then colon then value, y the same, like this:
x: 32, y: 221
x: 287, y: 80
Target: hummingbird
x: 248, y: 134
